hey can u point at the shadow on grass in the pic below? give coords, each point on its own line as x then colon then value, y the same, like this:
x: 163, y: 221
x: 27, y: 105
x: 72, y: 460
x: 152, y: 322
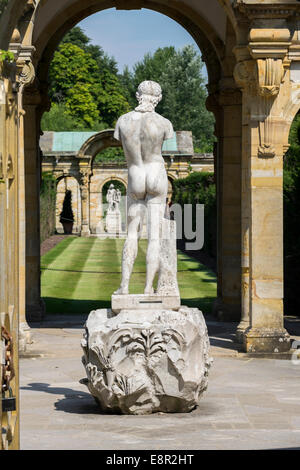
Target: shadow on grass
x: 73, y: 306
x: 203, y: 303
x: 57, y: 306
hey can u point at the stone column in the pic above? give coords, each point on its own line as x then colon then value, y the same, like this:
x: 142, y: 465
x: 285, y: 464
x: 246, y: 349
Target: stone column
x: 35, y: 308
x: 9, y: 245
x: 25, y: 77
x: 85, y: 171
x: 226, y: 105
x: 265, y: 93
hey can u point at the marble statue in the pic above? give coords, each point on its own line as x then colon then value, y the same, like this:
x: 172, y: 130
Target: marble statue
x: 113, y: 197
x: 148, y: 353
x: 142, y: 133
x: 113, y: 220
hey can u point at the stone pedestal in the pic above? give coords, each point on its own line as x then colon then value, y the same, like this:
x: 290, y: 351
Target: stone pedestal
x: 113, y: 222
x: 142, y: 361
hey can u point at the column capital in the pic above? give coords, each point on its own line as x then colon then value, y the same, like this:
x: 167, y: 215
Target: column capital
x: 85, y: 174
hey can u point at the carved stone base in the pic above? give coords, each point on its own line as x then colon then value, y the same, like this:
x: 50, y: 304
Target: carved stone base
x: 24, y: 336
x: 240, y: 331
x: 145, y: 361
x: 144, y: 301
x: 113, y: 222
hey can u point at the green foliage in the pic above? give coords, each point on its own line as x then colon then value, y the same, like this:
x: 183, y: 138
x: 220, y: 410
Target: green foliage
x: 77, y: 37
x: 110, y: 100
x: 3, y: 5
x: 7, y: 56
x: 117, y: 184
x: 59, y: 119
x: 199, y: 188
x: 47, y: 205
x: 180, y: 76
x: 81, y: 105
x: 84, y: 79
x: 111, y: 154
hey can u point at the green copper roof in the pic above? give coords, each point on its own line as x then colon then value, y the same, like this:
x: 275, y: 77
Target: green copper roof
x: 69, y: 141
x: 73, y: 141
x: 170, y: 145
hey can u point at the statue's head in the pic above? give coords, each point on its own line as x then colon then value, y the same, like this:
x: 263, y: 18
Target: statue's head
x: 111, y: 186
x: 148, y: 95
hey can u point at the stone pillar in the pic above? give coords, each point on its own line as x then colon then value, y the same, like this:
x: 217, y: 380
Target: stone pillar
x: 265, y: 94
x: 227, y: 107
x: 85, y: 171
x: 9, y: 249
x: 35, y: 308
x: 25, y: 77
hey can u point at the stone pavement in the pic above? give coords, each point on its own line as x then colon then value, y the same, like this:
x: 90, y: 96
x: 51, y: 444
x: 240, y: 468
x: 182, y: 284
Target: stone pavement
x: 250, y: 403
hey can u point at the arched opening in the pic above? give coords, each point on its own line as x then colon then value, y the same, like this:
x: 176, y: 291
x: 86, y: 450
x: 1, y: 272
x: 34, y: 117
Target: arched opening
x: 114, y: 208
x: 68, y: 206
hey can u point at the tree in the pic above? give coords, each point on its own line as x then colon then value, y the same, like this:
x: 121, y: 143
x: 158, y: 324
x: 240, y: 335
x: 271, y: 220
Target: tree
x: 80, y: 104
x: 69, y: 66
x: 185, y: 96
x: 86, y: 84
x: 77, y: 37
x: 180, y: 76
x: 110, y: 99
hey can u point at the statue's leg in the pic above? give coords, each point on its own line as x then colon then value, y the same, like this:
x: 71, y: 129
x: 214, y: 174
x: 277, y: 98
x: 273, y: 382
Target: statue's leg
x: 155, y: 213
x: 135, y: 216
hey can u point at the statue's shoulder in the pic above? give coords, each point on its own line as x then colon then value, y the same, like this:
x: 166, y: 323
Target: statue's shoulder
x: 122, y: 122
x: 167, y: 125
x: 126, y: 117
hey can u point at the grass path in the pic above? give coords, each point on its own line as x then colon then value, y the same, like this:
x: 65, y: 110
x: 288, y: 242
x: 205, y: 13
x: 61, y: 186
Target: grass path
x: 80, y: 274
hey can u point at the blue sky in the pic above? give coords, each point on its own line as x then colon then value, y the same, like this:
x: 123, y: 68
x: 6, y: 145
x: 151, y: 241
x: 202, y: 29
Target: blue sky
x: 128, y: 35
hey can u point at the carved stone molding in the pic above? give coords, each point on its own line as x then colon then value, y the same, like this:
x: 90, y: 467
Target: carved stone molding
x: 128, y: 4
x: 85, y: 175
x: 261, y: 81
x: 244, y: 75
x: 270, y: 75
x: 26, y: 75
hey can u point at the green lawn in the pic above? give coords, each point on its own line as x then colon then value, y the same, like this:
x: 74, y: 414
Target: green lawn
x: 80, y: 274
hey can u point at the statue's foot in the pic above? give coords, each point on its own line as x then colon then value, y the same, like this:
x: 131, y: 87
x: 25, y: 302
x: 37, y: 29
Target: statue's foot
x: 122, y: 290
x: 149, y: 291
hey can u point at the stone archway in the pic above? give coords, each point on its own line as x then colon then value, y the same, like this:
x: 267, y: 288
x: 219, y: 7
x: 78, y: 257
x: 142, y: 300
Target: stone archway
x: 97, y: 198
x: 209, y: 31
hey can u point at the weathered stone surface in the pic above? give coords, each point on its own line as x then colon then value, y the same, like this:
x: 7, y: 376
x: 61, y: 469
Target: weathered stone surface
x: 145, y: 361
x: 113, y: 222
x: 144, y: 302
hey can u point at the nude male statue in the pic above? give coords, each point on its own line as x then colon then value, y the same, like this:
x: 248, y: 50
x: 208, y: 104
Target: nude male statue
x: 142, y: 133
x: 110, y: 197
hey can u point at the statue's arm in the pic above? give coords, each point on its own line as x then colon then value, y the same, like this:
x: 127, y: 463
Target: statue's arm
x: 117, y: 131
x: 169, y: 132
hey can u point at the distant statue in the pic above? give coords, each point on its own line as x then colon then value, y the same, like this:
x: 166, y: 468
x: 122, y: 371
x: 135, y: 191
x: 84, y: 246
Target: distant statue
x: 142, y: 133
x: 113, y: 197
